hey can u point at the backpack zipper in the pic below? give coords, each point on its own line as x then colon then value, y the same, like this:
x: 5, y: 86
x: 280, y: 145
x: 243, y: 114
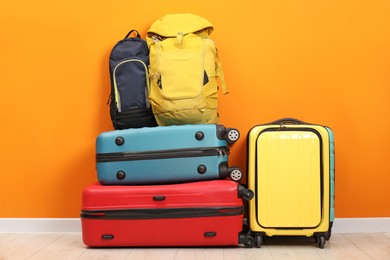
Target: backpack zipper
x: 203, y: 59
x: 158, y: 74
x: 162, y: 154
x: 117, y: 94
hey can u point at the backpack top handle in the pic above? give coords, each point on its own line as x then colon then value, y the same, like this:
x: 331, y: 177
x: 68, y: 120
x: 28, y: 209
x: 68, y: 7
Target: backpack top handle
x: 137, y: 34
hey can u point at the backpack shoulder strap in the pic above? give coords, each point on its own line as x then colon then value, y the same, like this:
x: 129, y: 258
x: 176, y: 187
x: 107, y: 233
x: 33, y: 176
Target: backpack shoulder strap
x: 220, y: 74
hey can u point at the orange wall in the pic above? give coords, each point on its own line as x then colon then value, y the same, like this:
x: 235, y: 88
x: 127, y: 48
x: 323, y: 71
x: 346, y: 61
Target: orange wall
x: 324, y: 62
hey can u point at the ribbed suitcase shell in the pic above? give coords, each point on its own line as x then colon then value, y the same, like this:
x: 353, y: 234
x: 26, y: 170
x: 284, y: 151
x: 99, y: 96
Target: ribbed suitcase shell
x: 164, y: 154
x: 291, y: 170
x: 205, y: 213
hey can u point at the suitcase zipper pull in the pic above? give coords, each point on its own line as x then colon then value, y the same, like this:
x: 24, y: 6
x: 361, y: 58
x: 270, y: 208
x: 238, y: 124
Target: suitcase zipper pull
x: 223, y: 151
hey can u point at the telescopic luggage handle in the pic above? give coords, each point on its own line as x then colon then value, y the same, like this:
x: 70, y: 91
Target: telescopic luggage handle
x: 138, y: 35
x: 288, y: 120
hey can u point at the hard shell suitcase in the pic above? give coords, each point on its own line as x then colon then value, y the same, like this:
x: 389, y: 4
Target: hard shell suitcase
x: 204, y: 213
x: 165, y: 154
x: 291, y: 171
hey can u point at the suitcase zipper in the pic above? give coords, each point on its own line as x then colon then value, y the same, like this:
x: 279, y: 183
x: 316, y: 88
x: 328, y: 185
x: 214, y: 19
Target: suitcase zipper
x: 162, y: 154
x: 162, y: 213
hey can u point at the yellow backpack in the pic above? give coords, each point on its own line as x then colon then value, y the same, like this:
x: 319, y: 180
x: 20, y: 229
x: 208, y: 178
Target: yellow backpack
x: 184, y: 65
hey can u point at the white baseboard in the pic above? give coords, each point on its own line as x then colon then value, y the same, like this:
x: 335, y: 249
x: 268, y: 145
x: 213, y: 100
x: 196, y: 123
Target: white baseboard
x: 21, y: 225
x: 16, y: 225
x: 361, y: 225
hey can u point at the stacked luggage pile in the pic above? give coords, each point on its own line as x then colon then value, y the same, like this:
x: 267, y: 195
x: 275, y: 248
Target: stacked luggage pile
x: 164, y: 174
x: 165, y: 184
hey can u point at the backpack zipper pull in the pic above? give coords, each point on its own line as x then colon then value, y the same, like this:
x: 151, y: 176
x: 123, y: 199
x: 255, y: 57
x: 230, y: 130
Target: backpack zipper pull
x: 156, y: 38
x: 179, y: 39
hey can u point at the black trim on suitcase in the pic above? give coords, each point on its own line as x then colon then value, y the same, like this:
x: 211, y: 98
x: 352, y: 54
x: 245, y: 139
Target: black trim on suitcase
x: 161, y: 154
x: 286, y: 128
x: 162, y: 213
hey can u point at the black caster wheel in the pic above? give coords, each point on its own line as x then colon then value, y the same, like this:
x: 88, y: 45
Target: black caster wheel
x: 321, y: 242
x: 247, y: 194
x: 258, y: 241
x: 249, y: 242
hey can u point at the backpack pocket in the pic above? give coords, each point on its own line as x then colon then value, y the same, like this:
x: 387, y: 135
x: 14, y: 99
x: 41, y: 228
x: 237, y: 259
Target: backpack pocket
x: 135, y: 118
x: 131, y: 84
x: 181, y: 71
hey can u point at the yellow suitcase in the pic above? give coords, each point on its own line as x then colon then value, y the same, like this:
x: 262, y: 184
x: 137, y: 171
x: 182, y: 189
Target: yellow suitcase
x: 289, y: 165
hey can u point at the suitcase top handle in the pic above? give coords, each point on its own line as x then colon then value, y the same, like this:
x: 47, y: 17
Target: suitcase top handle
x: 288, y: 120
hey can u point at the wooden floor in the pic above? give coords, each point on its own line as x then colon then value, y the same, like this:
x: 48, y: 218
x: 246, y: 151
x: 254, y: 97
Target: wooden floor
x: 57, y: 246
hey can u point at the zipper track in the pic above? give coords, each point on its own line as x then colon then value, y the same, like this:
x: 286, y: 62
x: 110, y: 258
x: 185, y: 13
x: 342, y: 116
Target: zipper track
x: 286, y: 128
x: 162, y: 213
x: 162, y: 154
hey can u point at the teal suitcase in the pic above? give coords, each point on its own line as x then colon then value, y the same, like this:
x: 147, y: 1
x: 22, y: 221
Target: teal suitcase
x: 165, y: 154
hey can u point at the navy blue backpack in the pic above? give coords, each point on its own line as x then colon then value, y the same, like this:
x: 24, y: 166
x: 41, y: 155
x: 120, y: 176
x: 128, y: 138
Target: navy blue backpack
x: 129, y: 64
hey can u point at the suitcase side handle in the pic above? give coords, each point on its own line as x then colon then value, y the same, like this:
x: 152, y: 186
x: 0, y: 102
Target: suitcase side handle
x: 288, y: 120
x: 159, y: 198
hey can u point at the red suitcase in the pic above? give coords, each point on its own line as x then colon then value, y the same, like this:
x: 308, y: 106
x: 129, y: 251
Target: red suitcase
x: 206, y: 213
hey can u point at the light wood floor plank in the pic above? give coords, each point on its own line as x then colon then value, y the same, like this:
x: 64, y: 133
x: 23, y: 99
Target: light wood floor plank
x: 152, y: 253
x: 338, y: 247
x: 247, y: 254
x: 105, y: 254
x: 282, y: 248
x: 67, y: 246
x: 199, y: 254
x: 26, y: 245
x: 7, y: 237
x: 376, y: 246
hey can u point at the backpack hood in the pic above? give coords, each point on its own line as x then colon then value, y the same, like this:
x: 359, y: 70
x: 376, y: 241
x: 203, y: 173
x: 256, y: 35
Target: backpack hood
x: 172, y: 24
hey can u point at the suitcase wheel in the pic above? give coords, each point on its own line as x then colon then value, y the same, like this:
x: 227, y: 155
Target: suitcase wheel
x: 247, y: 241
x: 258, y: 241
x: 244, y: 193
x: 232, y: 135
x: 320, y: 240
x: 247, y: 194
x: 235, y: 173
